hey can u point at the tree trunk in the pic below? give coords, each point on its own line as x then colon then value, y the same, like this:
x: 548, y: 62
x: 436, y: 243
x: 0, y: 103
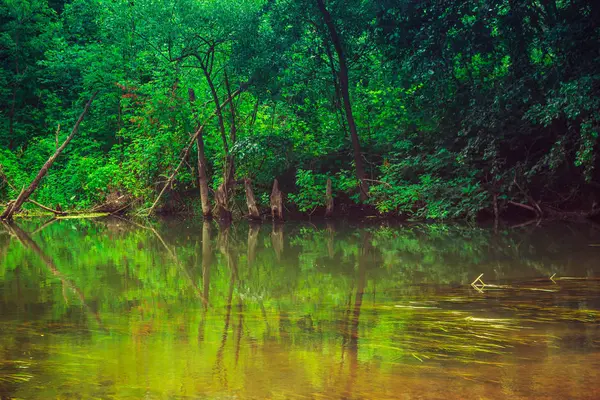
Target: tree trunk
x: 10, y: 205
x: 496, y: 211
x: 329, y: 200
x: 276, y: 202
x: 186, y: 153
x: 344, y: 83
x: 203, y: 178
x: 202, y: 175
x: 218, y: 106
x: 11, y: 115
x: 57, y: 211
x: 228, y: 173
x: 223, y: 212
x: 337, y: 98
x: 16, y: 206
x: 253, y: 212
x: 230, y: 176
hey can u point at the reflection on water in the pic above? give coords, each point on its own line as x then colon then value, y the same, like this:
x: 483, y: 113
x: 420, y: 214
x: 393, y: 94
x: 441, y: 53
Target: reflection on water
x: 117, y: 309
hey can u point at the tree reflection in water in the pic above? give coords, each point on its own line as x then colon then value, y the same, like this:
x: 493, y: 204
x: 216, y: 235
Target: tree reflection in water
x: 168, y: 309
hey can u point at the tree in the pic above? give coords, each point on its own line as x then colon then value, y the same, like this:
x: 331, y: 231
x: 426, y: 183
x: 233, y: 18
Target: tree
x: 343, y: 85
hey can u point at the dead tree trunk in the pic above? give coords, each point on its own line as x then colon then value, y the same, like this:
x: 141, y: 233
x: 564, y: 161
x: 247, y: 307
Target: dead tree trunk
x: 56, y: 211
x: 16, y: 206
x: 10, y: 205
x: 222, y: 209
x: 203, y: 178
x: 276, y: 202
x: 253, y: 212
x: 329, y: 200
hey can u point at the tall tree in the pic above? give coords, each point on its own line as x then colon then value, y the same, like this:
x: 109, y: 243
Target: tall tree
x: 343, y: 86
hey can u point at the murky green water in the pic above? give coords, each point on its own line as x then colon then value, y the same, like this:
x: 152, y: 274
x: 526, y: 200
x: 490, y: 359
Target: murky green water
x: 109, y: 309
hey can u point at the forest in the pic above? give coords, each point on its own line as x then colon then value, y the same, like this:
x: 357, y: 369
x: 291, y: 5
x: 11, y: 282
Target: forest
x: 420, y: 109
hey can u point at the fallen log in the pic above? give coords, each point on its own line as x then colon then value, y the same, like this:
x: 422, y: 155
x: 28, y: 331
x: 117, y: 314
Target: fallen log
x: 24, y: 195
x: 57, y: 211
x: 525, y: 206
x: 43, y: 207
x: 8, y: 213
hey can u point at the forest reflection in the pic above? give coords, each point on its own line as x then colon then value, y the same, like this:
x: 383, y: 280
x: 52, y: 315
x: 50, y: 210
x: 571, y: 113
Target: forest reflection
x: 115, y: 308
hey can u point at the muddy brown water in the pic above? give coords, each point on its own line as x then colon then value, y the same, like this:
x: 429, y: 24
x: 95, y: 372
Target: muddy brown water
x: 181, y: 309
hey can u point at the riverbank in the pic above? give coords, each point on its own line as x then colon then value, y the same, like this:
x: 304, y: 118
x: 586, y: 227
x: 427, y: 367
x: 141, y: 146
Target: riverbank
x: 351, y: 212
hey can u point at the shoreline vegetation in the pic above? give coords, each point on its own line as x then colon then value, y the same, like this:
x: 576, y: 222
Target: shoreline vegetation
x: 265, y: 215
x: 293, y: 110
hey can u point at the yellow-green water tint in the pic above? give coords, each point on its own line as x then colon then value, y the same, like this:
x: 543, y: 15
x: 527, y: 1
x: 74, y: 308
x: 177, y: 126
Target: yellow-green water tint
x: 178, y: 309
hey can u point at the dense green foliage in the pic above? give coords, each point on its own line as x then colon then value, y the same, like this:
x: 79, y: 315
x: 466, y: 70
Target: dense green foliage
x: 455, y: 103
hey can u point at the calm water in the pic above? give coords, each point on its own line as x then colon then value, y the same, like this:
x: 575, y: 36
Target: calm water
x: 111, y: 309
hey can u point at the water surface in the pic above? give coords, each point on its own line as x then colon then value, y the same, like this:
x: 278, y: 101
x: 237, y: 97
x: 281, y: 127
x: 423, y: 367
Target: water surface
x: 180, y: 309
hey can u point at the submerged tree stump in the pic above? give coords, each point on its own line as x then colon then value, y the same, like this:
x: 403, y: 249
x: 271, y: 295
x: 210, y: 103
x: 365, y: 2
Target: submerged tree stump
x: 276, y: 202
x: 328, y: 200
x: 253, y: 212
x: 223, y: 212
x: 203, y: 180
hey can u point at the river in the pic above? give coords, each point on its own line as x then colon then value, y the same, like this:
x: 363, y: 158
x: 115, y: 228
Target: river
x: 181, y: 309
